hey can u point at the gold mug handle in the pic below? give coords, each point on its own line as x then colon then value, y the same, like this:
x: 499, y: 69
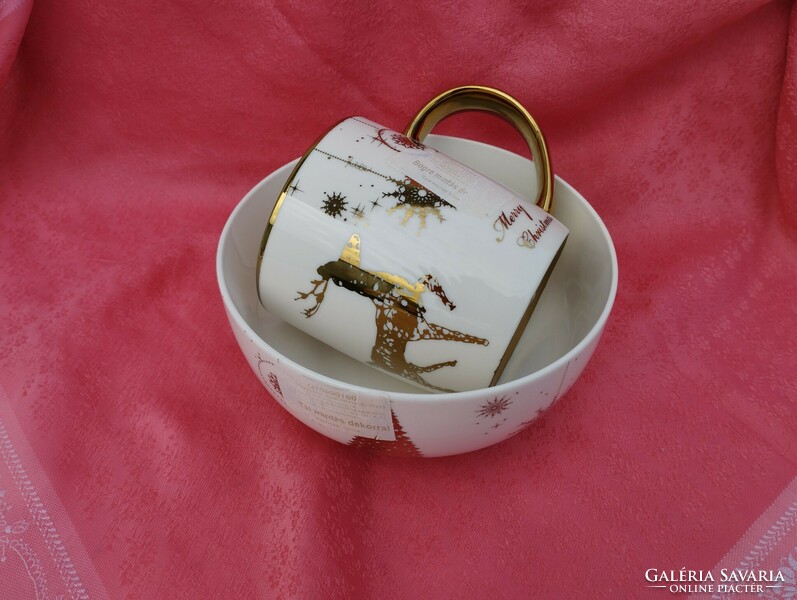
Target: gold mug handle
x: 481, y: 98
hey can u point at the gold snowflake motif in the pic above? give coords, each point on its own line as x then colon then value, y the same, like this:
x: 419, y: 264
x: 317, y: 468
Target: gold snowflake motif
x: 334, y: 205
x: 494, y: 407
x: 415, y: 200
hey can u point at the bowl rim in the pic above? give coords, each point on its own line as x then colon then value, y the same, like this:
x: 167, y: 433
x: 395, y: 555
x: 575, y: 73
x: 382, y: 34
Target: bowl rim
x: 420, y: 396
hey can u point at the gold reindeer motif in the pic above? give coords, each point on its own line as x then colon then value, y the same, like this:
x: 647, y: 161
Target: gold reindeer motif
x: 399, y: 311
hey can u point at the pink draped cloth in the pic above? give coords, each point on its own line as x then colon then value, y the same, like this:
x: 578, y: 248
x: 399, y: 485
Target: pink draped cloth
x: 141, y: 458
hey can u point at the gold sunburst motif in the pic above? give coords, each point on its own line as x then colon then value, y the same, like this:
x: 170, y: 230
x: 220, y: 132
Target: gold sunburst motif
x: 416, y: 200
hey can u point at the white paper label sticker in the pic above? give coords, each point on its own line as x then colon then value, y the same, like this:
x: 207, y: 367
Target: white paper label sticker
x: 453, y: 181
x: 340, y: 409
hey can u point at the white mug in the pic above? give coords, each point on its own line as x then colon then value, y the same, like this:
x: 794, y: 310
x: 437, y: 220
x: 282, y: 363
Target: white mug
x: 435, y: 268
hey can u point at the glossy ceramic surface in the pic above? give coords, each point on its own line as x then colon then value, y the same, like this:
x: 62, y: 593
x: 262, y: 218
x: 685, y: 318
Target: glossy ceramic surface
x: 405, y: 259
x: 354, y: 404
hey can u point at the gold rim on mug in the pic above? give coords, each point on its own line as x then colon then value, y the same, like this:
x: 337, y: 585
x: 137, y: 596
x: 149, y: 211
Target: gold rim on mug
x: 275, y: 211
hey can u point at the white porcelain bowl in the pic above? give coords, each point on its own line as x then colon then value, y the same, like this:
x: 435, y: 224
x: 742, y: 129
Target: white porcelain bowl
x: 357, y: 405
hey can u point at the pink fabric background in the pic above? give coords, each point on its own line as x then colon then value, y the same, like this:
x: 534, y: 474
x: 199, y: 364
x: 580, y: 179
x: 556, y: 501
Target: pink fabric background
x: 130, y: 130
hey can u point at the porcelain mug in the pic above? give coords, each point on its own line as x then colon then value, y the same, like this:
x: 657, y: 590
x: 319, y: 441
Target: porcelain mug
x: 405, y: 259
